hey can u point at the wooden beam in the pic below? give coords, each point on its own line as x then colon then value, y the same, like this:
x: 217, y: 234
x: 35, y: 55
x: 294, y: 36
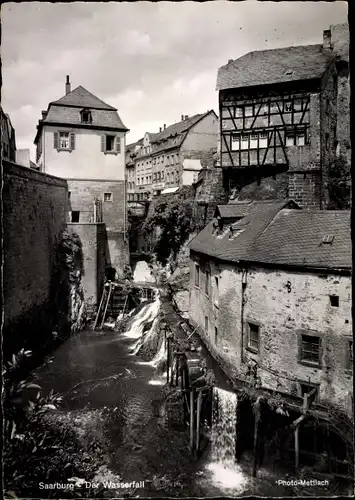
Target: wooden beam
x: 256, y: 443
x: 198, y: 418
x: 192, y: 420
x: 297, y: 448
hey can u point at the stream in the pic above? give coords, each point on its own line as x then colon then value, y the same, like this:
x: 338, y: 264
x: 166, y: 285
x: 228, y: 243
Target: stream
x: 112, y: 392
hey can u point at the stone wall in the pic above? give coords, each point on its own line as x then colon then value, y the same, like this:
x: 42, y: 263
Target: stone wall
x: 35, y: 207
x: 94, y: 243
x: 284, y: 304
x: 82, y: 195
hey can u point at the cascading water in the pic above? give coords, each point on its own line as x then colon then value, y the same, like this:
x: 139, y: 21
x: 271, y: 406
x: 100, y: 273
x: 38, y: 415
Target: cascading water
x: 223, y: 427
x: 142, y: 273
x: 226, y: 472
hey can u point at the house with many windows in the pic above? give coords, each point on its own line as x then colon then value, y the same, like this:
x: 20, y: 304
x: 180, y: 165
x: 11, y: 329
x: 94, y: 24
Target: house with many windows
x: 170, y: 158
x: 82, y: 139
x: 284, y: 122
x: 270, y: 295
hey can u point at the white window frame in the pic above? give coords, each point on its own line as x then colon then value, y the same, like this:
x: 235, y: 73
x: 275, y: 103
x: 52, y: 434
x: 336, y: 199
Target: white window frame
x: 253, y: 141
x: 263, y: 137
x: 67, y: 134
x: 244, y: 142
x: 235, y: 142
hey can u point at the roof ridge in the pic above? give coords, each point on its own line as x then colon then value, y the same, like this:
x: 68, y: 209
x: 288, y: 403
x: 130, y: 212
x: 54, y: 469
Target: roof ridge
x: 90, y: 94
x: 288, y: 47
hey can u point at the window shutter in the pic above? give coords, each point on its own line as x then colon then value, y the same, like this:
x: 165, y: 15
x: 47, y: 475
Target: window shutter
x: 72, y: 140
x: 103, y: 140
x: 118, y: 144
x: 56, y: 140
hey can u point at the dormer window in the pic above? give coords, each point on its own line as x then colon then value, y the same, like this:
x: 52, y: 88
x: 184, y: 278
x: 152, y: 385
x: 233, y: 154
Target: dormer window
x: 86, y: 116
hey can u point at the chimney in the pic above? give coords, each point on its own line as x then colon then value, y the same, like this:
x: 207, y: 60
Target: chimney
x: 159, y: 129
x: 164, y: 126
x: 182, y: 118
x: 67, y: 86
x: 230, y: 60
x: 327, y: 40
x: 44, y: 114
x: 186, y: 117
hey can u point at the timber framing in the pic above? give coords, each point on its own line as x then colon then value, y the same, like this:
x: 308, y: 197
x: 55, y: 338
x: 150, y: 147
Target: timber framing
x: 259, y: 131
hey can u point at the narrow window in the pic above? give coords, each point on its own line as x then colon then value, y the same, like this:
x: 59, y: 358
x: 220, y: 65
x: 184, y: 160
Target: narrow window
x: 69, y: 195
x: 64, y: 140
x: 108, y: 197
x: 75, y: 216
x: 334, y: 300
x: 253, y: 337
x: 327, y: 106
x: 207, y: 283
x: 310, y: 349
x: 263, y: 141
x: 197, y: 275
x: 245, y: 142
x: 216, y: 335
x: 110, y: 142
x: 216, y: 292
x: 253, y: 141
x: 301, y: 139
x: 206, y: 324
x: 235, y: 142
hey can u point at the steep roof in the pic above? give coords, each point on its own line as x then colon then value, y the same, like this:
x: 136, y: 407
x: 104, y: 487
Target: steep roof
x: 176, y: 130
x: 71, y: 116
x: 275, y: 233
x: 82, y: 98
x: 272, y: 66
x: 296, y: 237
x: 218, y: 244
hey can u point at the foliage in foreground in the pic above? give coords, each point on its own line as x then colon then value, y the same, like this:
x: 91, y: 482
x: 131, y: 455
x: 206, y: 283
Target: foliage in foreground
x: 34, y: 450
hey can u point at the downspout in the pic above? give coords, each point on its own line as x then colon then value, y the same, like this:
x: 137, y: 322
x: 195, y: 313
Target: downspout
x: 124, y: 191
x: 244, y: 285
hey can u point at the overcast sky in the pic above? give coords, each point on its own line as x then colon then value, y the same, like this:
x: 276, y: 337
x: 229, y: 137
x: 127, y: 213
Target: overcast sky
x: 152, y: 61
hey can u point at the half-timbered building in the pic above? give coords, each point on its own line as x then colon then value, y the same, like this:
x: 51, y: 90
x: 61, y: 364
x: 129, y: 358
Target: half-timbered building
x: 278, y: 120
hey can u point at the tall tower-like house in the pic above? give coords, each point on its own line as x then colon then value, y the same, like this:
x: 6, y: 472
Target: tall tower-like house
x: 82, y: 139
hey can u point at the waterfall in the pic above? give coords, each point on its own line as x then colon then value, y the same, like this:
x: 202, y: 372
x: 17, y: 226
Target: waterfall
x: 226, y: 473
x: 148, y: 313
x: 142, y: 273
x: 223, y: 427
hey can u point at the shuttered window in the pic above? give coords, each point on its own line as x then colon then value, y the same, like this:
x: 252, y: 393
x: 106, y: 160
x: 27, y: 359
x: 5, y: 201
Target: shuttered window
x: 111, y: 144
x: 64, y: 141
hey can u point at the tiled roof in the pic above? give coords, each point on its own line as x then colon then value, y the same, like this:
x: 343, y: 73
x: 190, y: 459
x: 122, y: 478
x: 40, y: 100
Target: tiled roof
x: 233, y: 210
x: 259, y: 215
x: 83, y: 98
x: 71, y: 116
x: 177, y: 129
x: 265, y: 67
x: 295, y: 237
x: 272, y: 233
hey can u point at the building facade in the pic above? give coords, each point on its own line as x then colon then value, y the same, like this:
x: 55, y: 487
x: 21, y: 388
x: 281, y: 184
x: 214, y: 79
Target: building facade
x: 8, y: 138
x: 270, y: 294
x: 82, y: 139
x: 284, y: 123
x: 170, y: 158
